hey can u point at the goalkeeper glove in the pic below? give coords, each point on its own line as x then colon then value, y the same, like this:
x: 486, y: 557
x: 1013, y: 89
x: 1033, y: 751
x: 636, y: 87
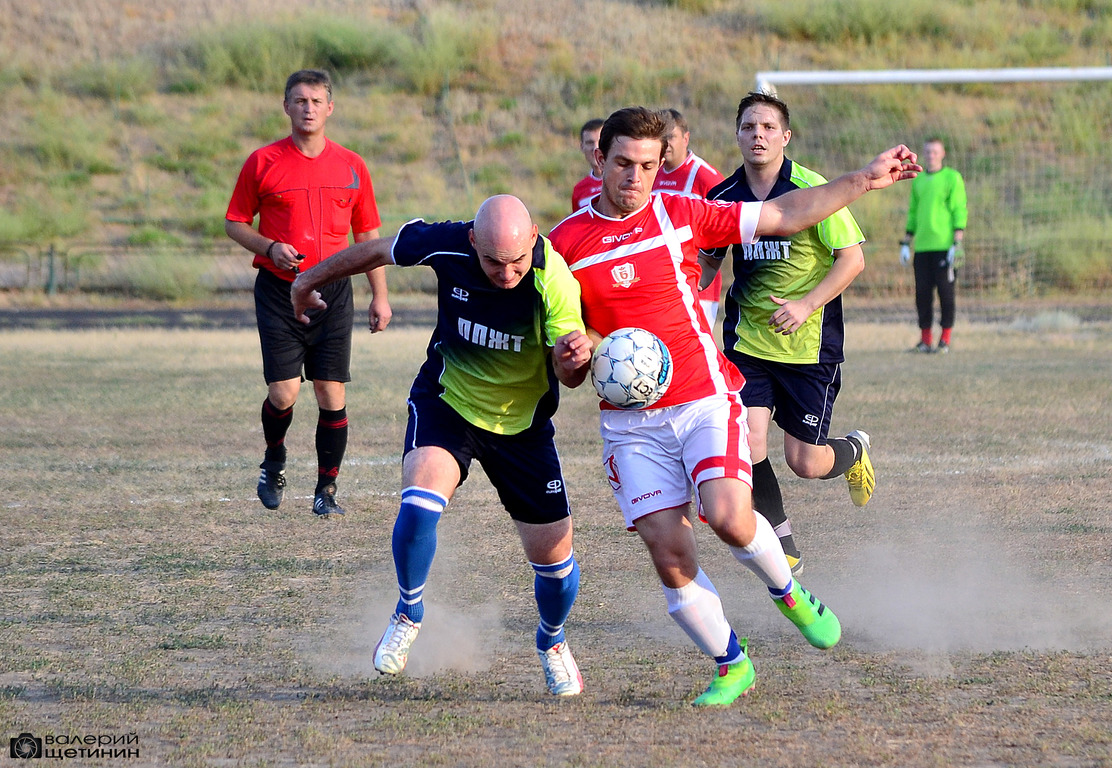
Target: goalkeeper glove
x: 955, y: 257
x: 905, y: 253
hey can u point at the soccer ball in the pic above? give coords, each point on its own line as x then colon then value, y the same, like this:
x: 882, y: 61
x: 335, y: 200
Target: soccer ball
x: 631, y: 368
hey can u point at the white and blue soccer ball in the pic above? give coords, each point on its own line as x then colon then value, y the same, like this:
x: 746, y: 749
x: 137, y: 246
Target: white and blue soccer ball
x: 631, y: 368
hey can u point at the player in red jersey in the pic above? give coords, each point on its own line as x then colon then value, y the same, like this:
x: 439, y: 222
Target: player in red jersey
x: 309, y: 193
x: 636, y: 256
x: 591, y: 184
x: 685, y: 173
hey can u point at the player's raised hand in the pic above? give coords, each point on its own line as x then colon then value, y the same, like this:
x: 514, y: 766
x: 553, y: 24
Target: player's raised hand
x: 304, y: 299
x: 896, y: 164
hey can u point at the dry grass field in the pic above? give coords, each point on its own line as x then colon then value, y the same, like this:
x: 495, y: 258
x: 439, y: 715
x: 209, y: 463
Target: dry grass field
x: 146, y: 596
x: 148, y: 602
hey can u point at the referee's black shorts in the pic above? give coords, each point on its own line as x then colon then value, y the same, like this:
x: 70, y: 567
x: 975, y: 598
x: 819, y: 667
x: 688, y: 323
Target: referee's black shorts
x: 318, y: 351
x: 524, y: 468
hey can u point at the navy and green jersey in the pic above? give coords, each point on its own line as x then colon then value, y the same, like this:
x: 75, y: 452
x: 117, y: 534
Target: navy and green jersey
x: 489, y: 354
x: 788, y: 268
x: 936, y: 209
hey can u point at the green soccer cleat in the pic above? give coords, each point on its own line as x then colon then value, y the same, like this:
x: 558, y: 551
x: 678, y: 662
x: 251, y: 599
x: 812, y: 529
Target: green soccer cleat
x: 861, y: 478
x: 731, y: 683
x: 814, y: 620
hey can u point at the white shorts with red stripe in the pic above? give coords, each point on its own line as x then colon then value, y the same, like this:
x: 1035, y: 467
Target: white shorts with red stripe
x: 655, y: 458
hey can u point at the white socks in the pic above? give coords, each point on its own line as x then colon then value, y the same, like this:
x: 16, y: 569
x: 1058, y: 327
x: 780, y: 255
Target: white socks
x: 697, y: 608
x: 765, y: 557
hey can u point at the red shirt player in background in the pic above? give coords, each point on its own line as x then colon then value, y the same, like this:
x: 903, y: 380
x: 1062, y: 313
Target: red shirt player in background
x: 636, y: 256
x: 308, y: 193
x: 591, y: 184
x: 685, y: 173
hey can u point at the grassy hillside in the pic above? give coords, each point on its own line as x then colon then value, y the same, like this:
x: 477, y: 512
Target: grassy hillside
x: 127, y: 122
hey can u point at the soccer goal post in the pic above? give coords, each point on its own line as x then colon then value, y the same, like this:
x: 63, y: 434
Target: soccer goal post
x: 1032, y: 145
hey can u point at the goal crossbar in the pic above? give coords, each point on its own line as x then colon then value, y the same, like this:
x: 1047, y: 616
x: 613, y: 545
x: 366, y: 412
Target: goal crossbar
x: 767, y: 81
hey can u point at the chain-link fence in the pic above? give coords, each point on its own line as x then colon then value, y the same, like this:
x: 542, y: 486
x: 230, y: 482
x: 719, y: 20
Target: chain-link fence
x: 161, y: 273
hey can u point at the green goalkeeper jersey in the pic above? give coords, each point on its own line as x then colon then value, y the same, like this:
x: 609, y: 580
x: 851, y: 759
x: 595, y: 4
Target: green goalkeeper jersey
x: 936, y: 209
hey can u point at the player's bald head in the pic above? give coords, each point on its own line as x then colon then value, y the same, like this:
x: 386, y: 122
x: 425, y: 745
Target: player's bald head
x: 503, y: 223
x: 503, y: 235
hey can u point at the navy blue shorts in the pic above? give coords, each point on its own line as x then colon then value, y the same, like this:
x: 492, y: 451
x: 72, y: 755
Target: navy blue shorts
x: 523, y: 468
x: 319, y: 351
x: 800, y: 396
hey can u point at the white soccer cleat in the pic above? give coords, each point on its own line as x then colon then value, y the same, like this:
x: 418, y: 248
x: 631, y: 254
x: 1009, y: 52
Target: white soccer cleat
x: 561, y: 673
x: 392, y: 650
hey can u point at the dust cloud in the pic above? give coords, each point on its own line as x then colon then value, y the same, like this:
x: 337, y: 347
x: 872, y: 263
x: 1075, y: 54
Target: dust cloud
x: 450, y: 639
x: 964, y: 590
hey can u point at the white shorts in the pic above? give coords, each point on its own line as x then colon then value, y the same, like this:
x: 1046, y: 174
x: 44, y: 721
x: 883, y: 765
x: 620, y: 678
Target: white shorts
x: 655, y: 458
x: 710, y: 309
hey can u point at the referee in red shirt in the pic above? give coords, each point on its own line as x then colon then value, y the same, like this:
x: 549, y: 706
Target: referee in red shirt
x: 309, y: 193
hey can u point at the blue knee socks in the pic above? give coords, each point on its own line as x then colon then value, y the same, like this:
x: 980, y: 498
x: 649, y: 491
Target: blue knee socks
x: 555, y: 587
x: 414, y: 545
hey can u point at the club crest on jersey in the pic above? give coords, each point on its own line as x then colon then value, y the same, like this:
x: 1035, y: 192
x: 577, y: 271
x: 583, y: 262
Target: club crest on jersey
x: 624, y: 275
x: 459, y: 293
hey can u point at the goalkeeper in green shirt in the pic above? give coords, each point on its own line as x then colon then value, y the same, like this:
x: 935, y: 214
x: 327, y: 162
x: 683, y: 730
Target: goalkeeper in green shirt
x: 936, y: 218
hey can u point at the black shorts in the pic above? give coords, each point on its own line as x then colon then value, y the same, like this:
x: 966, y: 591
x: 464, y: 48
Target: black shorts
x: 320, y: 350
x: 523, y: 468
x: 800, y: 395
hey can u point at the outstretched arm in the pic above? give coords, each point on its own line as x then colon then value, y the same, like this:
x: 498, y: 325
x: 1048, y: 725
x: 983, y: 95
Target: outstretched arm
x: 361, y: 257
x: 802, y: 208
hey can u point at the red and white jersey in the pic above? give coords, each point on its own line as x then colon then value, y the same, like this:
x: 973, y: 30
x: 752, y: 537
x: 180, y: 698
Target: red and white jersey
x: 643, y: 271
x: 586, y: 188
x: 694, y: 178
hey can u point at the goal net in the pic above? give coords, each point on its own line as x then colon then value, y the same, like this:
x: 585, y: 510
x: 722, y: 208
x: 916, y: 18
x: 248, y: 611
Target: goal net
x: 1037, y: 166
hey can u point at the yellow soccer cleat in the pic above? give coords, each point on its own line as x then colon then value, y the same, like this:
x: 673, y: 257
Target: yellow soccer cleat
x: 861, y: 478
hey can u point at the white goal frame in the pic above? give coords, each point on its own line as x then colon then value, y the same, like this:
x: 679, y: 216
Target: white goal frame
x: 1022, y: 282
x: 767, y: 81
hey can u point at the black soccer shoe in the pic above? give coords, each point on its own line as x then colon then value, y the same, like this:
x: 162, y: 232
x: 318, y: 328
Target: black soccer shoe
x: 324, y: 505
x: 272, y: 483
